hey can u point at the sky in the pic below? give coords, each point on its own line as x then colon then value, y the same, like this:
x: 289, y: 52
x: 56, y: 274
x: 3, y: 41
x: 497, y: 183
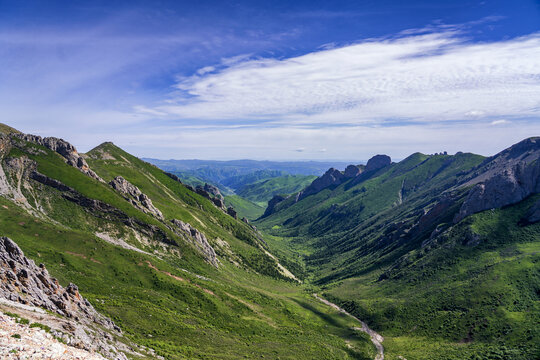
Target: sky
x: 276, y: 80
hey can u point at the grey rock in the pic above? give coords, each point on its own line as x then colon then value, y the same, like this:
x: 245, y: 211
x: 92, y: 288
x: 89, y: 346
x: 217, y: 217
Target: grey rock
x: 232, y: 212
x: 64, y: 148
x: 213, y: 191
x: 332, y: 177
x: 198, y: 239
x: 378, y: 162
x: 34, y: 286
x: 135, y: 196
x: 505, y: 179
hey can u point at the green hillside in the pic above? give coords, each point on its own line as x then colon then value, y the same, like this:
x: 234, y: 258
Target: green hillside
x: 244, y: 208
x: 153, y: 283
x: 262, y: 191
x: 470, y: 292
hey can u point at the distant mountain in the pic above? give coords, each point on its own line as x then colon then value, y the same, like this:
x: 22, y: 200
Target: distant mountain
x: 217, y: 171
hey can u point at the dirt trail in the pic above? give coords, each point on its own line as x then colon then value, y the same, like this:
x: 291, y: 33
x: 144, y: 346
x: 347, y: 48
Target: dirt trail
x: 376, y: 339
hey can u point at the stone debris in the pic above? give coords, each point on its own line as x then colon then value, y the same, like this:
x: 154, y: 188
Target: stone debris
x: 20, y: 341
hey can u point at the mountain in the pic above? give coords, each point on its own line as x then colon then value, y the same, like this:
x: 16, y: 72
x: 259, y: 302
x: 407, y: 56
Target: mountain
x: 119, y: 241
x: 439, y: 253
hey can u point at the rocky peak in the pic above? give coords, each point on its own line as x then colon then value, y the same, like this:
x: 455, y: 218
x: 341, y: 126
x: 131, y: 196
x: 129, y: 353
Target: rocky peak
x: 135, y: 196
x: 378, y: 162
x: 332, y: 177
x: 64, y: 148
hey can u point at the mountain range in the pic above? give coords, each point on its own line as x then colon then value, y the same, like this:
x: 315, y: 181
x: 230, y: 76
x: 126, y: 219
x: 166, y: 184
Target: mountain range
x: 437, y: 254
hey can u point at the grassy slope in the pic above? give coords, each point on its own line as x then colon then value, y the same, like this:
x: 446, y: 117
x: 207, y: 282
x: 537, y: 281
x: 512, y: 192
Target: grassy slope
x: 453, y: 302
x: 244, y: 208
x: 459, y: 300
x: 236, y: 314
x: 262, y: 191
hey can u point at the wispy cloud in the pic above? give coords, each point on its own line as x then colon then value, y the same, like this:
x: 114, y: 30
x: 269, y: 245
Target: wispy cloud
x: 435, y: 76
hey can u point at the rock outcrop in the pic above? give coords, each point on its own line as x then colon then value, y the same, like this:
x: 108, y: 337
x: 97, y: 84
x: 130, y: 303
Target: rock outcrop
x: 352, y: 171
x: 21, y: 281
x: 505, y: 179
x: 378, y: 162
x: 198, y: 239
x: 332, y: 177
x: 64, y: 148
x: 271, y: 208
x: 135, y: 196
x: 213, y: 191
x: 232, y: 212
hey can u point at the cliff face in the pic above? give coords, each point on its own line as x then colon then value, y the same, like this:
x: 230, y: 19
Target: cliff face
x: 22, y: 282
x: 505, y: 179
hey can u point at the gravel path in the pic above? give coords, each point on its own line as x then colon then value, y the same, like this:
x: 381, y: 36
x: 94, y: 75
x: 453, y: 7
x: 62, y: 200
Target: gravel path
x: 376, y: 338
x: 35, y: 343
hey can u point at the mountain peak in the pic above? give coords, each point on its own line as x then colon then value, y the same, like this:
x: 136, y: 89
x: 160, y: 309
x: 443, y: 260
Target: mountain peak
x: 378, y: 162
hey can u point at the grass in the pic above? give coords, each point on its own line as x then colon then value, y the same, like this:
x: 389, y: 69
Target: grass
x: 244, y: 208
x: 174, y: 303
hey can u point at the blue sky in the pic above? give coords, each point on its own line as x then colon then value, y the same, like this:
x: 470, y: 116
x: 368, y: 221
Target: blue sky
x: 275, y: 79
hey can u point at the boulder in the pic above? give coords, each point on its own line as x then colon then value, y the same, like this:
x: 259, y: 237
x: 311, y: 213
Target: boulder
x: 213, y: 191
x: 232, y: 212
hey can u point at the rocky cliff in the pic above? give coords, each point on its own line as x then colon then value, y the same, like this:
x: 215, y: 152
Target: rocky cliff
x: 504, y: 179
x: 21, y: 281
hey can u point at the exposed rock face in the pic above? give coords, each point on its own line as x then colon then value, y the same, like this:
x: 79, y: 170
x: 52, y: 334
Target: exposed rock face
x: 135, y: 196
x: 332, y: 177
x: 505, y: 179
x: 232, y: 212
x: 219, y: 203
x: 378, y: 162
x: 352, y: 171
x: 63, y: 148
x: 213, y: 191
x: 23, y: 282
x: 272, y: 205
x: 198, y: 239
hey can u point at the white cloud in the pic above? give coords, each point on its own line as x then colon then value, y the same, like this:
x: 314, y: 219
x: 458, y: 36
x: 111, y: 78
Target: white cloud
x: 499, y: 122
x: 437, y: 76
